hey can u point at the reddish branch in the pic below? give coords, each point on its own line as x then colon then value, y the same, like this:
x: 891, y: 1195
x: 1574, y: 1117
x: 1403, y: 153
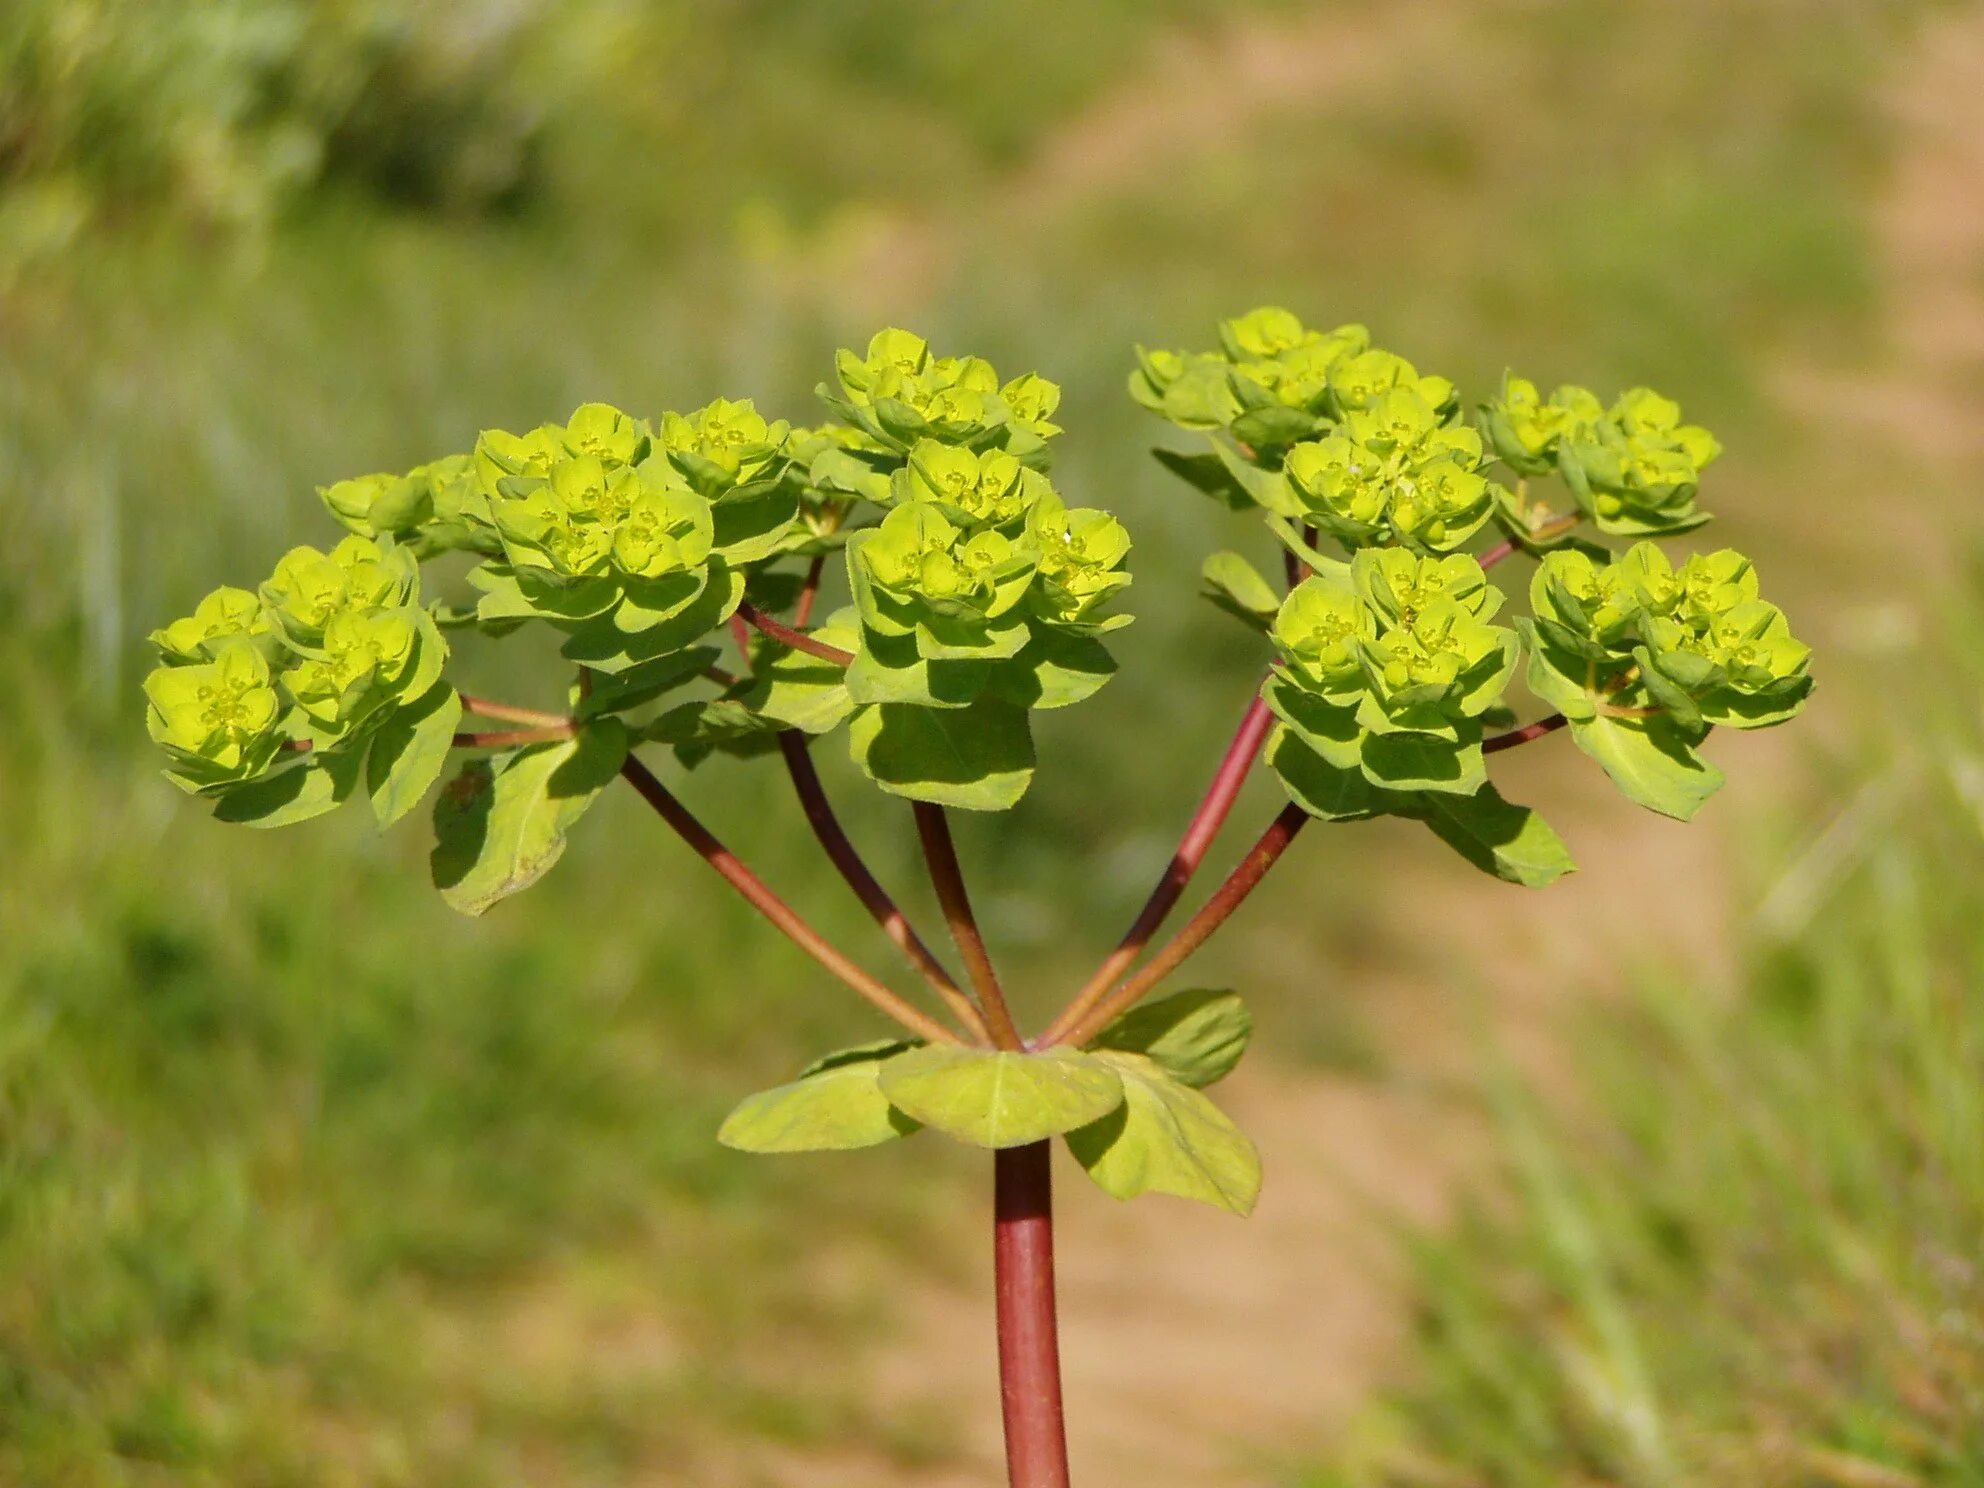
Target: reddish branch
x: 875, y: 899
x: 934, y: 828
x: 1216, y: 911
x: 798, y: 640
x: 1524, y: 734
x: 1192, y: 847
x: 509, y: 713
x: 775, y: 909
x: 809, y: 591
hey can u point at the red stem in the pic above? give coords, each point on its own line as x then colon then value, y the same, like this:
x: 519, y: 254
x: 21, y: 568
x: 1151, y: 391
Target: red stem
x: 798, y: 640
x: 809, y: 591
x: 1211, y: 815
x: 510, y: 713
x: 775, y: 909
x: 1524, y: 734
x: 842, y: 854
x: 934, y: 828
x: 1029, y: 1353
x: 1228, y: 897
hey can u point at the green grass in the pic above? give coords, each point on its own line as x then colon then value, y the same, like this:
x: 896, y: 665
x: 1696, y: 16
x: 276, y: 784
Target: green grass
x: 302, y: 1179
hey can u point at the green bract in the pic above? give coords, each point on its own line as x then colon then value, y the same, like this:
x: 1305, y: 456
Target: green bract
x: 1396, y: 469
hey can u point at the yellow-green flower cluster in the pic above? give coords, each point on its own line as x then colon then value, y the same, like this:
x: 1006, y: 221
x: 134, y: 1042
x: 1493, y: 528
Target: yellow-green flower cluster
x: 331, y: 645
x: 434, y: 508
x: 1275, y: 381
x: 1634, y: 467
x: 1695, y: 643
x: 632, y: 542
x: 1387, y: 664
x: 1395, y: 469
x: 897, y: 393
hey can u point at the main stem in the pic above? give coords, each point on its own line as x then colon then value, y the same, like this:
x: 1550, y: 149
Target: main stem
x: 1029, y: 1347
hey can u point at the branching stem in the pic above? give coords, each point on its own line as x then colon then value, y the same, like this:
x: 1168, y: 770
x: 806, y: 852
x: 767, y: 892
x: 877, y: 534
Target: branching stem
x: 1524, y: 734
x: 509, y: 713
x: 775, y: 909
x: 1211, y: 815
x: 934, y: 828
x: 1242, y: 881
x: 842, y: 854
x: 798, y: 640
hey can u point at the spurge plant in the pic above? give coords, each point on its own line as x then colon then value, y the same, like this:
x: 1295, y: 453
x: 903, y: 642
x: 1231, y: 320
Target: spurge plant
x: 978, y: 594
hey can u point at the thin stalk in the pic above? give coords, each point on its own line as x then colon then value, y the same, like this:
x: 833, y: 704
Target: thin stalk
x: 1029, y: 1347
x: 511, y: 738
x: 1524, y: 734
x: 1241, y: 882
x: 1545, y: 533
x: 934, y: 828
x: 510, y: 713
x: 809, y: 591
x: 798, y: 640
x: 875, y: 899
x: 775, y: 909
x: 1211, y: 815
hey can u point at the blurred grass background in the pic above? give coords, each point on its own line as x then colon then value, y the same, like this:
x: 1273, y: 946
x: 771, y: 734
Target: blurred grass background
x: 304, y: 1181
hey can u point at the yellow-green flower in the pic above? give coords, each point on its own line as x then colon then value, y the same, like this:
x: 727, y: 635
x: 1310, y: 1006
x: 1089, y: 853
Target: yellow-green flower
x: 218, y: 719
x: 224, y: 615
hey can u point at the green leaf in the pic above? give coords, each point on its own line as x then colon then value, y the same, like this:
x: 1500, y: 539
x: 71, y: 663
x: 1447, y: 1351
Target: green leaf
x: 836, y: 1106
x: 751, y: 521
x: 1207, y: 473
x: 501, y: 823
x: 978, y: 757
x: 603, y: 645
x: 1196, y: 1037
x: 997, y: 1098
x: 874, y: 1049
x: 1236, y: 586
x: 410, y: 751
x: 1168, y: 1138
x: 1651, y: 761
x: 1319, y: 787
x: 1512, y: 842
x: 322, y: 784
x: 888, y: 669
x: 617, y: 692
x: 1407, y: 761
x: 1055, y: 670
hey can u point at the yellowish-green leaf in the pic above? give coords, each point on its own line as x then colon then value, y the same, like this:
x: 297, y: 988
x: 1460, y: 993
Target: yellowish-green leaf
x: 1168, y: 1138
x: 1196, y: 1037
x: 993, y: 1098
x: 836, y: 1106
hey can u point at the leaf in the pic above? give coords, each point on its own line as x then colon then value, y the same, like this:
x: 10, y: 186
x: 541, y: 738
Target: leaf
x: 410, y: 751
x: 1207, y: 473
x: 1511, y: 842
x: 603, y: 645
x: 1168, y: 1138
x: 1318, y: 787
x: 322, y: 784
x: 888, y: 669
x: 1195, y: 1037
x: 501, y: 824
x: 836, y: 1106
x: 978, y: 757
x: 1407, y: 761
x: 617, y: 692
x: 1236, y: 586
x: 1055, y: 670
x: 997, y: 1098
x: 751, y: 521
x: 875, y: 1049
x: 1649, y: 760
